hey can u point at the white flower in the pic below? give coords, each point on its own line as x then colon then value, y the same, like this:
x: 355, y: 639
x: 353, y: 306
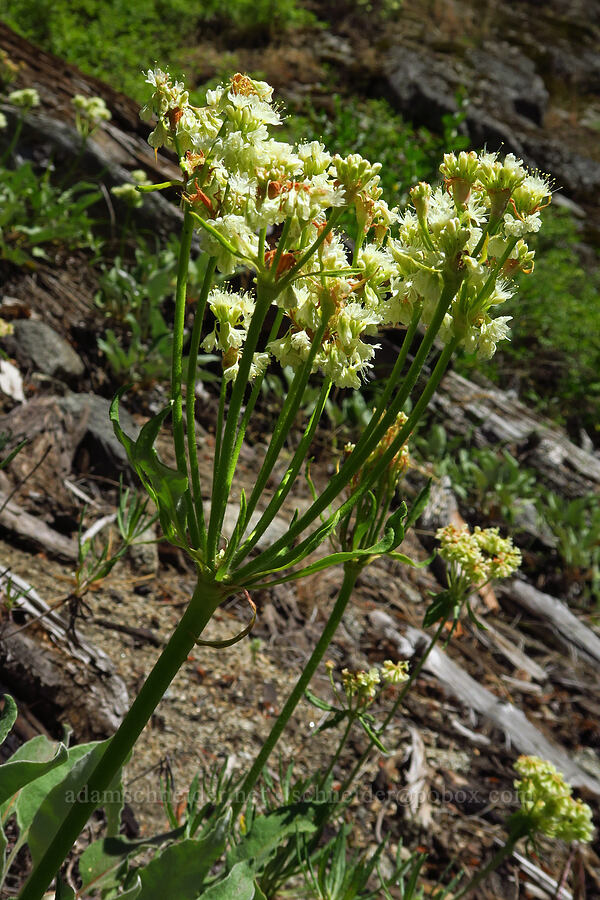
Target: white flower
x: 25, y: 99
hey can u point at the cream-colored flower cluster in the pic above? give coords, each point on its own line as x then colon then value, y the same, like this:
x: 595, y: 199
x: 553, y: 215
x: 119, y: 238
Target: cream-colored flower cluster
x: 474, y: 225
x: 26, y: 98
x: 90, y: 111
x: 128, y: 191
x: 546, y: 798
x: 244, y: 183
x: 364, y: 685
x: 480, y: 556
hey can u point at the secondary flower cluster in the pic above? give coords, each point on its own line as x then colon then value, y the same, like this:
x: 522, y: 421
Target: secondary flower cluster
x: 89, y: 112
x: 128, y: 191
x: 477, y: 557
x: 546, y: 800
x: 460, y: 242
x: 25, y: 99
x: 363, y: 685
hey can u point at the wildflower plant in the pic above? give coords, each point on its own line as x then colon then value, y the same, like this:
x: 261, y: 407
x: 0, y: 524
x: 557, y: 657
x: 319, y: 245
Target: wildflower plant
x: 89, y: 112
x: 316, y: 302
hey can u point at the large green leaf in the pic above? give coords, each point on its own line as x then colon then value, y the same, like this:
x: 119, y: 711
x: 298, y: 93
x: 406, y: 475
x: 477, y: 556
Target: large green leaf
x: 238, y: 884
x: 29, y: 799
x: 15, y: 775
x: 104, y: 862
x: 8, y: 715
x: 268, y: 832
x: 184, y: 865
x: 57, y: 802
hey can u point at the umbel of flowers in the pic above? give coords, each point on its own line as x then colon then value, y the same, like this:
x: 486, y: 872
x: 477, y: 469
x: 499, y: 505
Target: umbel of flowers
x: 245, y: 181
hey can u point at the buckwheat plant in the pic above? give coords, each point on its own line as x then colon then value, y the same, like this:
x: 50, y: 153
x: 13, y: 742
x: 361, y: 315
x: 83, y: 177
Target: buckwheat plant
x: 316, y: 303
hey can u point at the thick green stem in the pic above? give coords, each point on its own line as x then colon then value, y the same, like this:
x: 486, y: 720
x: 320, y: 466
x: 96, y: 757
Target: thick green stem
x: 206, y: 598
x: 351, y: 573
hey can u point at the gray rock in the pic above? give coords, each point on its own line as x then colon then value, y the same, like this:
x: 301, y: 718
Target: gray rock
x: 103, y: 451
x: 40, y: 347
x: 507, y: 81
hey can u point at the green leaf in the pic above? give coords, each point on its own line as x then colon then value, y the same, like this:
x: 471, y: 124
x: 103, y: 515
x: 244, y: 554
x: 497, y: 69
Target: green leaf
x: 8, y: 717
x: 418, y: 506
x: 102, y: 864
x: 59, y: 800
x: 440, y: 609
x: 167, y: 487
x: 316, y: 701
x: 15, y: 775
x: 338, y: 716
x: 238, y: 884
x: 268, y: 832
x: 183, y: 866
x: 371, y: 734
x: 132, y: 892
x: 30, y: 797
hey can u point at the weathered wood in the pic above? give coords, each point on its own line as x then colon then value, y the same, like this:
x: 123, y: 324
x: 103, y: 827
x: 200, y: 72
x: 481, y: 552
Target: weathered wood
x: 566, y: 627
x: 35, y: 532
x: 43, y: 664
x: 496, y: 417
x: 505, y: 716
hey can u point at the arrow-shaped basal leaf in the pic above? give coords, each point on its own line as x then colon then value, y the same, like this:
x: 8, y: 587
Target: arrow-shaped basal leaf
x: 166, y: 486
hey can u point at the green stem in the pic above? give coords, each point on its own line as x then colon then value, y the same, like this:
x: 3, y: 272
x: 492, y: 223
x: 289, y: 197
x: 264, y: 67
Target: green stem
x: 206, y: 598
x: 190, y: 401
x: 285, y: 420
x: 351, y: 573
x: 334, y: 218
x: 178, y: 325
x: 288, y: 479
x: 265, y: 294
x: 13, y: 142
x: 336, y: 755
x: 337, y: 483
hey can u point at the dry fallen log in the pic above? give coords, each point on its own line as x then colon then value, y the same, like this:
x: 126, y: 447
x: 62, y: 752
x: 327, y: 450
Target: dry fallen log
x: 566, y: 628
x: 35, y: 532
x: 495, y: 417
x: 69, y: 679
x: 505, y: 716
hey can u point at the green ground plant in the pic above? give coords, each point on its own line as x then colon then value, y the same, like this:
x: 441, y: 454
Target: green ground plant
x: 37, y: 217
x: 441, y: 267
x: 554, y: 358
x: 108, y: 39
